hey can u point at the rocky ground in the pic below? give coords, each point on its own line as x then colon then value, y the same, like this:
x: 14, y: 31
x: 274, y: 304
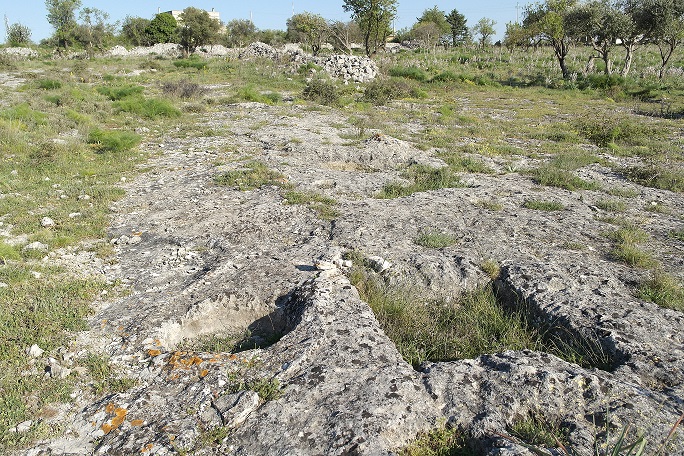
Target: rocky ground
x: 206, y: 259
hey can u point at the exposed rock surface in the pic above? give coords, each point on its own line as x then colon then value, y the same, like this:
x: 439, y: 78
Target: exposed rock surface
x: 214, y: 260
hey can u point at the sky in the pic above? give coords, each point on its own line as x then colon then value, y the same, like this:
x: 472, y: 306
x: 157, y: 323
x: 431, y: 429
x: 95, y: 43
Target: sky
x: 266, y: 14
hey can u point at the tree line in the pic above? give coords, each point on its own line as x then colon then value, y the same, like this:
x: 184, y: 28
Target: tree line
x: 605, y: 25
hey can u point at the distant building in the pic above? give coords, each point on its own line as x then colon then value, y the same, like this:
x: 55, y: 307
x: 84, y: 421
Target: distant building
x: 177, y: 14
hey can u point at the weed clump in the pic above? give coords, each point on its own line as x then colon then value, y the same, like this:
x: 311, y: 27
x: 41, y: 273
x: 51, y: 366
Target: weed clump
x: 113, y: 140
x: 254, y: 175
x: 382, y: 91
x: 183, y: 89
x: 323, y: 206
x: 663, y: 290
x: 48, y: 84
x: 656, y: 177
x: 119, y: 93
x: 539, y: 205
x: 444, y: 441
x: 150, y: 108
x: 627, y: 250
x: 555, y: 177
x: 425, y: 178
x: 192, y: 62
x: 435, y: 239
x: 412, y: 72
x: 251, y: 93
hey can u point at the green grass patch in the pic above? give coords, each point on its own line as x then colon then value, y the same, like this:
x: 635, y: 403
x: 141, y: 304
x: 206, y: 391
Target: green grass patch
x: 573, y: 160
x: 103, y: 375
x: 462, y: 163
x: 119, y: 93
x: 435, y: 239
x: 443, y: 441
x: 324, y: 206
x: 254, y: 174
x: 677, y: 234
x: 192, y: 62
x: 611, y: 205
x: 663, y: 290
x: 48, y: 84
x: 490, y: 205
x: 441, y: 330
x: 251, y: 93
x: 604, y: 130
x: 555, y: 177
x: 25, y: 114
x: 411, y: 72
x: 539, y: 431
x: 150, y: 108
x: 627, y: 248
x: 113, y: 140
x: 8, y: 253
x: 425, y: 178
x: 541, y: 205
x: 656, y: 177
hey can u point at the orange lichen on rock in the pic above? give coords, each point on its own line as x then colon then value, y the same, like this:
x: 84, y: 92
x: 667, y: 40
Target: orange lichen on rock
x: 232, y: 357
x: 203, y: 373
x: 154, y: 352
x: 147, y: 448
x: 119, y: 417
x: 109, y: 408
x: 137, y: 422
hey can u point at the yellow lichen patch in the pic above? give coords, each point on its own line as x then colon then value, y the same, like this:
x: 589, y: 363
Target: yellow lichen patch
x: 109, y: 408
x: 203, y: 373
x: 154, y: 353
x: 232, y: 357
x: 137, y: 422
x: 147, y: 448
x: 119, y: 418
x: 106, y: 428
x: 157, y: 342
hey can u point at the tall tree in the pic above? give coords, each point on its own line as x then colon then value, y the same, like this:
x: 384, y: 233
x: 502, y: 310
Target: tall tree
x: 94, y: 33
x: 436, y: 16
x: 662, y: 21
x: 374, y: 18
x: 239, y: 32
x: 196, y: 29
x: 547, y: 22
x: 162, y: 29
x: 458, y: 27
x: 485, y: 29
x: 18, y: 34
x: 343, y: 34
x: 62, y: 16
x: 133, y: 31
x: 311, y: 29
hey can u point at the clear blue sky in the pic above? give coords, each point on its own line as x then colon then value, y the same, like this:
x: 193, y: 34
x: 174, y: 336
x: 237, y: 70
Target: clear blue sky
x: 266, y: 14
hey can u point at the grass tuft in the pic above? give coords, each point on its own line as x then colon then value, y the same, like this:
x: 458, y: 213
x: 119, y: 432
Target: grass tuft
x: 540, y: 205
x: 656, y: 177
x: 324, y: 206
x: 150, y: 108
x: 435, y: 239
x: 444, y: 441
x: 113, y: 140
x: 663, y: 290
x: 554, y: 177
x: 254, y: 175
x: 425, y: 178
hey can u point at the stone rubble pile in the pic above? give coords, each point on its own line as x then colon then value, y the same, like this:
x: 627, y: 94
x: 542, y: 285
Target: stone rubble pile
x: 19, y: 52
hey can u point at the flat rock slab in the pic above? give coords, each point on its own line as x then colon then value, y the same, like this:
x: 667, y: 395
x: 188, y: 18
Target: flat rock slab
x: 203, y: 259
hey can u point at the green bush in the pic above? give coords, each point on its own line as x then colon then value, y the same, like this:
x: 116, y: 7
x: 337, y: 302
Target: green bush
x: 412, y: 72
x: 183, y: 89
x: 119, y: 93
x: 323, y: 92
x: 48, y: 84
x: 150, y: 108
x: 604, y: 130
x: 601, y: 81
x: 381, y: 91
x: 113, y: 140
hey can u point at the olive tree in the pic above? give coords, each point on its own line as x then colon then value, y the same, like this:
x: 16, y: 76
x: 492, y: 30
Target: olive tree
x: 485, y: 30
x: 374, y: 18
x: 61, y: 15
x: 162, y: 29
x: 308, y: 28
x: 196, y: 29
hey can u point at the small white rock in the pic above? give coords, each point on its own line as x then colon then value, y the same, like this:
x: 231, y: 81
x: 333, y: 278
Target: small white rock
x: 35, y: 246
x: 47, y: 222
x: 36, y: 274
x: 74, y: 214
x: 84, y: 197
x: 34, y: 351
x: 14, y: 172
x: 3, y: 285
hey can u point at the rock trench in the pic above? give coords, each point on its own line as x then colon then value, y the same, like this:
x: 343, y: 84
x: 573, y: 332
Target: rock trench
x: 203, y: 259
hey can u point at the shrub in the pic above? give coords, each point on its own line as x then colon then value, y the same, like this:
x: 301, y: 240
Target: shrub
x: 323, y: 92
x: 24, y: 113
x: 48, y: 84
x: 183, y: 89
x: 113, y: 140
x: 611, y: 205
x: 150, y: 108
x: 601, y: 81
x: 118, y: 93
x: 604, y: 130
x: 627, y: 250
x: 381, y: 91
x: 412, y: 72
x: 438, y: 442
x: 323, y: 206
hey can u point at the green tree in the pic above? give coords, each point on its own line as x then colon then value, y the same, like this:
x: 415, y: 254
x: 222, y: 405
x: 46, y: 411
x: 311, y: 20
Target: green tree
x: 515, y: 36
x: 343, y: 34
x: 662, y: 22
x: 239, y: 32
x: 547, y: 21
x: 18, y: 35
x: 311, y: 29
x: 457, y: 27
x: 93, y: 32
x: 271, y: 36
x: 133, y: 31
x: 62, y: 16
x: 196, y: 29
x: 485, y: 29
x: 162, y: 29
x: 374, y: 18
x: 427, y: 33
x: 436, y: 16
